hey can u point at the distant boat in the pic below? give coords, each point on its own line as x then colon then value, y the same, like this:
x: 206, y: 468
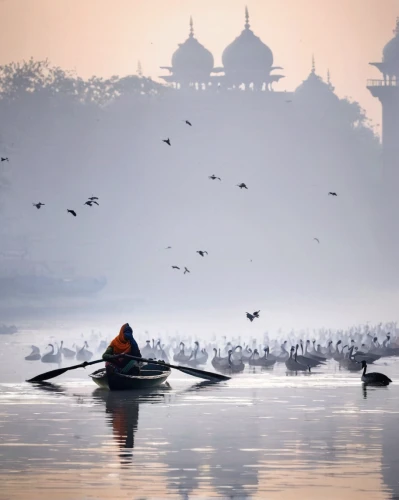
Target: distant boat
x: 50, y: 286
x: 8, y: 330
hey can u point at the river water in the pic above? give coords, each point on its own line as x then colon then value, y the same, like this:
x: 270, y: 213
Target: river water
x: 260, y: 435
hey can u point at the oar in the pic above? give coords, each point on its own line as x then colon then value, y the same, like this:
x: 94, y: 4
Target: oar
x: 214, y: 377
x: 60, y: 371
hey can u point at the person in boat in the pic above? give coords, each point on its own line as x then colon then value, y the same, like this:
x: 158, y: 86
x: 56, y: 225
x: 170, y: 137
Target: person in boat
x: 123, y: 343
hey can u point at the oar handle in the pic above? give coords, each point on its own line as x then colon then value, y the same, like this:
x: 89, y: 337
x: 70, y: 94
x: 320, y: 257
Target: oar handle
x: 147, y: 360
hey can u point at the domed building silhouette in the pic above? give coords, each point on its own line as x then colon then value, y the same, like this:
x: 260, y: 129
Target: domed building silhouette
x: 192, y: 63
x: 247, y: 62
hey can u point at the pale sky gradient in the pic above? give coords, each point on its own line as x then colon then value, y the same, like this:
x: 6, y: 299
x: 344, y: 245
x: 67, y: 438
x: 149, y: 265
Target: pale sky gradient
x: 106, y: 37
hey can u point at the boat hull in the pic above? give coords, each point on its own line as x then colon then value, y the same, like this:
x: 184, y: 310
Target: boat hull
x: 150, y: 376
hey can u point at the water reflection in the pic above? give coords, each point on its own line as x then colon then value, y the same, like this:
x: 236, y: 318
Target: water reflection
x: 49, y: 387
x: 258, y: 436
x: 122, y: 414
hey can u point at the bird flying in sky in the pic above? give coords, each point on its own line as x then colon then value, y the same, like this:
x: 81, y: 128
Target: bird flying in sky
x: 167, y: 141
x: 72, y: 212
x: 38, y: 205
x: 250, y: 316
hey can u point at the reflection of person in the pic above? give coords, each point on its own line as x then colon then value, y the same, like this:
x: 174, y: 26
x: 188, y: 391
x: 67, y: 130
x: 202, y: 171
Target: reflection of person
x: 125, y: 417
x: 123, y: 343
x: 122, y: 411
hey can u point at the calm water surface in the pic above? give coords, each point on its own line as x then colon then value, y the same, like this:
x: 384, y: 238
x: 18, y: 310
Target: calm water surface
x: 260, y: 435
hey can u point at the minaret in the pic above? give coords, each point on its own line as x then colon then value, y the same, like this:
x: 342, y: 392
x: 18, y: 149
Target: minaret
x: 387, y: 91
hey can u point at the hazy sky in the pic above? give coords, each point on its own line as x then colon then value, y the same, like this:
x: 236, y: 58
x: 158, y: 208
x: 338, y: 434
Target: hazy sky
x: 106, y: 37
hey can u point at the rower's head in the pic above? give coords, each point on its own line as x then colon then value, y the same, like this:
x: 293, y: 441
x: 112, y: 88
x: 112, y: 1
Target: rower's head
x: 127, y: 331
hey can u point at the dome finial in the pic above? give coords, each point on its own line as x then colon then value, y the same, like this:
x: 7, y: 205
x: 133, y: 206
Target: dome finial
x: 246, y: 19
x: 191, y: 27
x: 313, y: 65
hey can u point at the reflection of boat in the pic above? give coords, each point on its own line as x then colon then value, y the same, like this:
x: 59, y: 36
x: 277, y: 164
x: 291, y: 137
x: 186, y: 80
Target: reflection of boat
x: 151, y: 375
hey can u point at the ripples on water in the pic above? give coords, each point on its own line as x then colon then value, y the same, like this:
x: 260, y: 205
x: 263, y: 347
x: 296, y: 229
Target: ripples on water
x: 260, y: 435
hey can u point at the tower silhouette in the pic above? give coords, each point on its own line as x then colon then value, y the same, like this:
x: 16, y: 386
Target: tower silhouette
x: 387, y: 91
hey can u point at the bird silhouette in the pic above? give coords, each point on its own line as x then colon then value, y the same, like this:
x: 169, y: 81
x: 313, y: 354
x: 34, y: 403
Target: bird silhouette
x: 38, y: 205
x: 256, y: 314
x: 176, y: 267
x: 4, y: 159
x: 242, y: 186
x: 331, y: 193
x: 89, y: 203
x: 92, y: 198
x: 72, y: 212
x: 202, y: 252
x: 168, y: 248
x: 213, y: 177
x: 188, y: 123
x: 167, y: 141
x: 250, y: 316
x: 186, y: 270
x: 317, y: 239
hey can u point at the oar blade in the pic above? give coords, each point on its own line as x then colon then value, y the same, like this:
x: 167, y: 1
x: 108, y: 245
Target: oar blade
x: 48, y: 375
x: 214, y: 377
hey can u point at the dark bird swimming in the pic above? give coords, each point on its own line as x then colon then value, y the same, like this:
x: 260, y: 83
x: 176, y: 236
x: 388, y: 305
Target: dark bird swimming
x: 378, y: 379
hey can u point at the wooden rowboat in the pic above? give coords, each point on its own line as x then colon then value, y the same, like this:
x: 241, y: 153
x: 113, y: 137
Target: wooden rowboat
x: 151, y: 375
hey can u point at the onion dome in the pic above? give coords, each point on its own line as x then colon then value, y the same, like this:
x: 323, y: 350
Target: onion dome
x: 247, y: 58
x: 391, y: 53
x: 192, y: 60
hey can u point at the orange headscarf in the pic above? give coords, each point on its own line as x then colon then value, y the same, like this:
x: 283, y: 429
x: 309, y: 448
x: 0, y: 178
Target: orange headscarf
x: 120, y: 345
